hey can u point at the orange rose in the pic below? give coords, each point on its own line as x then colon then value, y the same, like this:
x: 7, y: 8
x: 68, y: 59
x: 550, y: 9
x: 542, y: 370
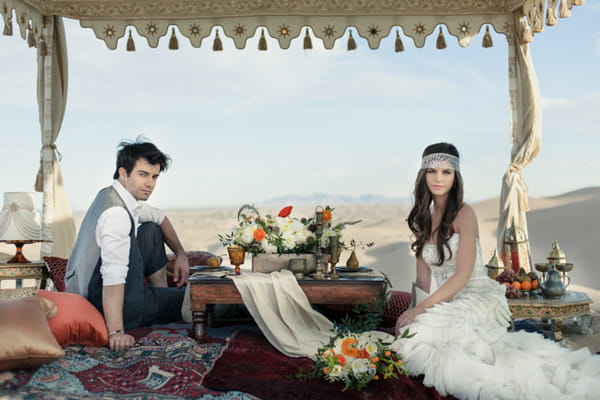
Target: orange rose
x: 349, y: 347
x: 326, y: 216
x: 259, y: 234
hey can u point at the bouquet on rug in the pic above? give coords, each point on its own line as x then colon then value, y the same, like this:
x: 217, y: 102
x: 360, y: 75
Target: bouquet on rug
x: 281, y: 234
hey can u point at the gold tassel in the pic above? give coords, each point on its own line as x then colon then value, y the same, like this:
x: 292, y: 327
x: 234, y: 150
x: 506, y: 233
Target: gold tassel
x: 487, y: 38
x: 398, y: 45
x: 351, y: 43
x: 307, y: 41
x: 551, y: 13
x: 441, y: 41
x: 173, y: 43
x: 564, y: 9
x: 217, y: 44
x: 262, y: 42
x: 30, y: 37
x: 527, y: 35
x: 577, y: 2
x: 538, y: 24
x: 43, y: 48
x: 8, y: 28
x: 130, y: 42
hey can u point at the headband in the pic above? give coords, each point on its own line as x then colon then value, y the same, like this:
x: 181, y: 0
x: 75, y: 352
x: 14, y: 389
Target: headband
x: 440, y: 160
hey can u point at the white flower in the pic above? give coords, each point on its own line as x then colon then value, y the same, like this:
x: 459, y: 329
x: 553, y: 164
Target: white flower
x: 336, y: 371
x: 288, y: 240
x: 360, y: 366
x: 247, y: 234
x: 268, y: 247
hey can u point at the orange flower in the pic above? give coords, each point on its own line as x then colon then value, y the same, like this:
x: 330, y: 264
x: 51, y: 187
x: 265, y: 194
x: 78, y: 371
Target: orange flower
x: 259, y: 234
x: 387, y: 353
x: 326, y: 370
x: 375, y: 359
x: 326, y: 216
x: 349, y: 347
x: 285, y: 211
x: 341, y: 359
x: 376, y: 378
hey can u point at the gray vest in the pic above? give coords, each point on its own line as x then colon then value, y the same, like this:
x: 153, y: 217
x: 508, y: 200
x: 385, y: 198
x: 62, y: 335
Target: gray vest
x: 86, y: 253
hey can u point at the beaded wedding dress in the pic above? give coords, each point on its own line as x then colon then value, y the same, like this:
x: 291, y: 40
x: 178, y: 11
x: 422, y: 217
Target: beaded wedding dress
x: 464, y: 349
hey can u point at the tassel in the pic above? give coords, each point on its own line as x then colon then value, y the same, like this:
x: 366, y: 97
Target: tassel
x: 217, y: 44
x: 441, y: 41
x: 487, y: 38
x: 307, y: 41
x: 398, y: 45
x: 527, y: 35
x: 577, y: 2
x: 30, y: 37
x: 551, y: 13
x: 173, y: 43
x: 262, y: 42
x: 130, y: 42
x: 351, y: 43
x: 8, y: 28
x: 564, y: 9
x: 43, y: 48
x: 538, y: 24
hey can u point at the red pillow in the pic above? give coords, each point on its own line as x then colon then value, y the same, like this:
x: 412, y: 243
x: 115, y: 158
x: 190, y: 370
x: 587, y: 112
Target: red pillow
x: 56, y: 269
x: 77, y: 321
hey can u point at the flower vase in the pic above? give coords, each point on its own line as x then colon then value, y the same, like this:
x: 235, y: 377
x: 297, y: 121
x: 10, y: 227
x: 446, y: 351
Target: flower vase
x: 352, y: 261
x: 276, y: 262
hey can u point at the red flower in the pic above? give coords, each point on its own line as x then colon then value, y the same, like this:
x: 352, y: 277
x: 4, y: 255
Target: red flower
x: 259, y: 234
x: 341, y: 359
x: 285, y: 211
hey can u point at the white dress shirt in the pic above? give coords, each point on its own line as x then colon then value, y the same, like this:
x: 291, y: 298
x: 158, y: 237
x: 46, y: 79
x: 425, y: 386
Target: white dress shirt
x: 112, y: 234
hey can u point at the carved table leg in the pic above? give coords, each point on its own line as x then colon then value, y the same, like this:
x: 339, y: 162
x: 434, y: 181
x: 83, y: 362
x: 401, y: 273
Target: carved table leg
x: 585, y: 323
x: 199, y: 322
x: 558, y: 324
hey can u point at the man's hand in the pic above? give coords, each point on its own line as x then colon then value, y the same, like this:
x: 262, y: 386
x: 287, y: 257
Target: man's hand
x: 120, y: 341
x: 181, y: 270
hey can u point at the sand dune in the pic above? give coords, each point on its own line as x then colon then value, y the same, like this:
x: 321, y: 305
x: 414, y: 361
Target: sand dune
x: 571, y: 218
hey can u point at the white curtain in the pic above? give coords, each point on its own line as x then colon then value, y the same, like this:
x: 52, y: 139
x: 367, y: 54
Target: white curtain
x: 57, y: 219
x: 525, y: 133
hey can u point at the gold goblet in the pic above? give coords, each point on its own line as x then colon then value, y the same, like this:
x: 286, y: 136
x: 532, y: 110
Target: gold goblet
x: 236, y: 257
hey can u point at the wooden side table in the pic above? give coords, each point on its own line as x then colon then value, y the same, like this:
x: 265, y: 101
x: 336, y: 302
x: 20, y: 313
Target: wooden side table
x: 570, y: 305
x: 30, y: 270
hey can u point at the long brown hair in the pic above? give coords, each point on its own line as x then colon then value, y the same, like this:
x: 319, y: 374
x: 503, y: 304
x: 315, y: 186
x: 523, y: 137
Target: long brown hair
x: 419, y: 218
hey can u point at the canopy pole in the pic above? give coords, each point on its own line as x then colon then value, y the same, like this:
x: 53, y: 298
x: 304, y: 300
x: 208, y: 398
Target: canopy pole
x: 525, y: 131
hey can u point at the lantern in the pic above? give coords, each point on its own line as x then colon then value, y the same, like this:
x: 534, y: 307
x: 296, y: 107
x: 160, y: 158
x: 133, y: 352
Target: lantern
x: 516, y: 249
x: 495, y: 266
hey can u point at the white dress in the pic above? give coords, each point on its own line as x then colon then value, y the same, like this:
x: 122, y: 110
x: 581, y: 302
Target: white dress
x: 464, y: 349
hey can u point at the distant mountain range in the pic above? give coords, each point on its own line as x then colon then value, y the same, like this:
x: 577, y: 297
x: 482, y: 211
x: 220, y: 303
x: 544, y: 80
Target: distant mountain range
x: 322, y: 198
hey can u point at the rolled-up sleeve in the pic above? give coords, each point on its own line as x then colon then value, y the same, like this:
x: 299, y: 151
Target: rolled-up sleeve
x: 150, y: 214
x: 112, y: 236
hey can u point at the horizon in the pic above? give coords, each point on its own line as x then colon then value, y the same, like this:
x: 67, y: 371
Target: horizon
x: 295, y: 122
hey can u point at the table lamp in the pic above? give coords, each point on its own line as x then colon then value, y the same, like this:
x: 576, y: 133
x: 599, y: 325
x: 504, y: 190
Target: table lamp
x: 18, y: 224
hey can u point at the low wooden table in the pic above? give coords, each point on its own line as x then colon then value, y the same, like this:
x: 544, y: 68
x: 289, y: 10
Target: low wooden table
x: 19, y: 271
x: 205, y: 291
x: 570, y: 305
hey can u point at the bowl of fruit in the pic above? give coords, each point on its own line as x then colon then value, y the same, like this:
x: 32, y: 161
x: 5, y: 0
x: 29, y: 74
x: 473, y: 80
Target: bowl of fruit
x: 520, y: 284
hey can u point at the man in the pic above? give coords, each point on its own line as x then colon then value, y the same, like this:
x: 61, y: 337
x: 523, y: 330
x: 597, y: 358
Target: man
x: 121, y: 241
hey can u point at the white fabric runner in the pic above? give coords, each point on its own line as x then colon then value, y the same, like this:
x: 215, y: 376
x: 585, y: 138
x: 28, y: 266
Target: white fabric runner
x: 283, y: 313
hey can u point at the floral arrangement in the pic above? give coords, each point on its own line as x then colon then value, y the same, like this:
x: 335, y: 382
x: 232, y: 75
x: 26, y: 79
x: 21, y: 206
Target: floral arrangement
x: 281, y: 234
x: 355, y: 359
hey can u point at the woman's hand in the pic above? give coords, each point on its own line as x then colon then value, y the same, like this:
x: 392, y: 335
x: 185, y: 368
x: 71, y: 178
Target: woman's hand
x: 407, y: 318
x: 120, y: 341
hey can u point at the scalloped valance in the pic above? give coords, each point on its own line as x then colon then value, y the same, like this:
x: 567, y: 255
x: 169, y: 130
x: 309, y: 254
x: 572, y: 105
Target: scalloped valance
x: 286, y: 20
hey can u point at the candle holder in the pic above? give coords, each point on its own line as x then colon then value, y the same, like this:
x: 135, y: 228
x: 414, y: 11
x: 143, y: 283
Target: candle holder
x: 334, y: 255
x: 318, y: 233
x: 495, y: 266
x: 236, y: 257
x: 515, y: 253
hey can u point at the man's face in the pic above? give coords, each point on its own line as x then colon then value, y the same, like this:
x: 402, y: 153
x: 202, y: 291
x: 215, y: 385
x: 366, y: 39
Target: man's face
x: 142, y: 180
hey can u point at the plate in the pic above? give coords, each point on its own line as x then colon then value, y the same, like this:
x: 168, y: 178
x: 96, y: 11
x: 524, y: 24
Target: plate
x: 197, y: 268
x: 359, y: 269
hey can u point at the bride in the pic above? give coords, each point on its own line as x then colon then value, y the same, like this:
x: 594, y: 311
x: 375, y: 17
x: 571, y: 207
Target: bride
x: 461, y: 344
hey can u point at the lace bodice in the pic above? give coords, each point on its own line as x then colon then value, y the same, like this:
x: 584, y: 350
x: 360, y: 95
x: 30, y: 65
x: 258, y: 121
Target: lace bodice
x: 442, y: 272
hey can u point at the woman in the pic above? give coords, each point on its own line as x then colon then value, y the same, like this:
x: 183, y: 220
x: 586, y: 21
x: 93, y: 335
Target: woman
x: 461, y: 344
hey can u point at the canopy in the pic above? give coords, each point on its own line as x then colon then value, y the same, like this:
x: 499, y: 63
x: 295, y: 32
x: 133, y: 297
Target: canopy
x: 39, y: 22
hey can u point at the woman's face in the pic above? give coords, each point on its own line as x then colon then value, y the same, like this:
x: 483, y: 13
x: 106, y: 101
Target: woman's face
x: 439, y: 180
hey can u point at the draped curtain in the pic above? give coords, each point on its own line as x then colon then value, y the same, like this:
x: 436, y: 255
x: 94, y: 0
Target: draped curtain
x: 58, y: 227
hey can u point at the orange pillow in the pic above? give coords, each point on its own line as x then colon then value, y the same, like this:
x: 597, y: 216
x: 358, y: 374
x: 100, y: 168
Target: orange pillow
x: 77, y: 321
x: 26, y: 338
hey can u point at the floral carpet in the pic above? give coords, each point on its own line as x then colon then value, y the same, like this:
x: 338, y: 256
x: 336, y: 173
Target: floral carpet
x: 163, y: 364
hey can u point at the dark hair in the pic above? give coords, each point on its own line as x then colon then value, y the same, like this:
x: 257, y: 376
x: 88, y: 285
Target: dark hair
x: 129, y: 152
x: 419, y: 218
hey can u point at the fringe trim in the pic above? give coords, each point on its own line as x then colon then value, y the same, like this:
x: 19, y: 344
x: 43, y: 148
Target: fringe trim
x: 130, y: 42
x: 30, y: 37
x: 307, y: 41
x: 8, y: 28
x: 262, y: 42
x: 440, y: 44
x: 487, y: 38
x: 398, y: 46
x: 551, y: 19
x: 564, y: 9
x: 43, y: 49
x: 217, y: 44
x: 527, y: 35
x: 351, y: 43
x: 538, y: 18
x: 173, y: 43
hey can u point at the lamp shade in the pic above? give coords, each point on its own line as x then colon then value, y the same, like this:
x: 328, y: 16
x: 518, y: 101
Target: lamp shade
x: 17, y: 219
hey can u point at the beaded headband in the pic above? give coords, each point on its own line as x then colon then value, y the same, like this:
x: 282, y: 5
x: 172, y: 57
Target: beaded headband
x: 440, y: 160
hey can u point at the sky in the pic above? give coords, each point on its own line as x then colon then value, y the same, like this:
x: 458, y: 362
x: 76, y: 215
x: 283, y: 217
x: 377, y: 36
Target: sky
x: 244, y: 126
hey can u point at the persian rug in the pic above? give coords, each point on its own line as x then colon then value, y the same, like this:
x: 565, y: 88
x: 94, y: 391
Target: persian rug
x: 163, y: 364
x: 251, y: 364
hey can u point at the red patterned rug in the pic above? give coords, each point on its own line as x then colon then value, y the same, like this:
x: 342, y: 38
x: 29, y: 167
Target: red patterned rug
x: 251, y: 364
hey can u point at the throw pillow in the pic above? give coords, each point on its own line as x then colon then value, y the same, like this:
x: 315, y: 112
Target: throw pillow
x: 57, y: 267
x: 26, y: 337
x: 77, y: 321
